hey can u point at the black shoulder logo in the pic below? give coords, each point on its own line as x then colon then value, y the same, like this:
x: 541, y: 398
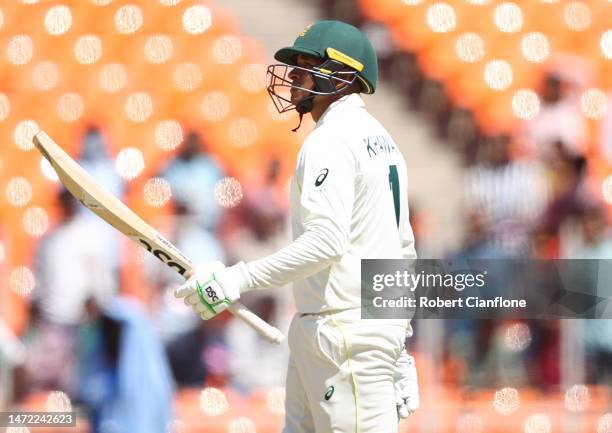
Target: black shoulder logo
x: 321, y: 177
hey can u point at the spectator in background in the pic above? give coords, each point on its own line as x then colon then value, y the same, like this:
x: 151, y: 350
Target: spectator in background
x: 185, y: 336
x: 97, y: 162
x: 248, y: 348
x: 381, y: 39
x: 256, y: 224
x: 12, y: 355
x: 477, y: 243
x: 257, y: 227
x: 567, y: 174
x: 125, y: 377
x: 597, y: 244
x: 191, y: 238
x: 596, y: 235
x: 508, y: 194
x: 559, y: 120
x: 254, y: 228
x: 72, y: 265
x: 545, y: 365
x: 193, y: 176
x: 473, y: 353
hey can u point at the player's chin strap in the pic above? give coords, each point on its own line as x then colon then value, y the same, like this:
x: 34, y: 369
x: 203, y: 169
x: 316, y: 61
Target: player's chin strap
x: 303, y: 107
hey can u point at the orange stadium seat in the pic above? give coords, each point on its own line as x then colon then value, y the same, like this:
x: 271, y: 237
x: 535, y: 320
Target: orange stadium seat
x: 384, y: 11
x: 575, y: 32
x: 34, y: 91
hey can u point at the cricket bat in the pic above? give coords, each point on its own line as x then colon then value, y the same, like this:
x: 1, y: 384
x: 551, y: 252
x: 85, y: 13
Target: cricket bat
x: 108, y: 207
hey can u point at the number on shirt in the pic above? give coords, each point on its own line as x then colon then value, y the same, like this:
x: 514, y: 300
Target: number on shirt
x: 395, y: 189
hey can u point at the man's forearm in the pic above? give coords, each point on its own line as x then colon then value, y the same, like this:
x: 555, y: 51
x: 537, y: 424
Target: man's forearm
x: 308, y: 254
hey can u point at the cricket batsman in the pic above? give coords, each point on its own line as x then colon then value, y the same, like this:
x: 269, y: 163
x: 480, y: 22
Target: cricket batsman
x: 348, y: 202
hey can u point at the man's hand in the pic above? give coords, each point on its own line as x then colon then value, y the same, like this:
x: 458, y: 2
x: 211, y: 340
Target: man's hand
x: 210, y: 290
x: 406, y: 385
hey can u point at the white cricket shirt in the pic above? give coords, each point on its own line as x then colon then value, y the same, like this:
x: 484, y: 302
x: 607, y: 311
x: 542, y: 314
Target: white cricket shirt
x: 348, y: 202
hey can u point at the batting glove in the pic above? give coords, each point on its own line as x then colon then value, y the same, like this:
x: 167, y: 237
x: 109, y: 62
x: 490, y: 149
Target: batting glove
x: 211, y: 290
x: 406, y: 385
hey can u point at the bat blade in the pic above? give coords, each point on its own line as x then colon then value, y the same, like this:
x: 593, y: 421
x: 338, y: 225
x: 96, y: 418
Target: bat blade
x: 108, y: 207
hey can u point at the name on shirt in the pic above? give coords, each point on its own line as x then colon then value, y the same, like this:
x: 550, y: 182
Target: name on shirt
x: 379, y: 145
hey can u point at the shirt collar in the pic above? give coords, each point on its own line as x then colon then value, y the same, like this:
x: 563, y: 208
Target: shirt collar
x: 345, y: 103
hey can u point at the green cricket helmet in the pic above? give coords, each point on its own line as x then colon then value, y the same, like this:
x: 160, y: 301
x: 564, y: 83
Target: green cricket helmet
x: 346, y: 54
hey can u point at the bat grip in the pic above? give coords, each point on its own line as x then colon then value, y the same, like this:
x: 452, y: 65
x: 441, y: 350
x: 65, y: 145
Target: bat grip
x: 268, y: 331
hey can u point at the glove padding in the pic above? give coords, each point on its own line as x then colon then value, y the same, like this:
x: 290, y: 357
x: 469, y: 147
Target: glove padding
x: 406, y: 385
x: 209, y: 291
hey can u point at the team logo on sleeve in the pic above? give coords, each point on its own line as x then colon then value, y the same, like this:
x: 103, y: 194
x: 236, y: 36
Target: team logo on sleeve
x: 321, y: 177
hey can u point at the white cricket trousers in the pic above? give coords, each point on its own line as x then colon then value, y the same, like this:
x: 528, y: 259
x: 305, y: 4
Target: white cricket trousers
x: 340, y: 374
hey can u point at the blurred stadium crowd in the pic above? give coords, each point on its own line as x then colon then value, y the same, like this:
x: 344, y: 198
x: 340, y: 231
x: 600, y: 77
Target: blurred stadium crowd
x: 164, y: 103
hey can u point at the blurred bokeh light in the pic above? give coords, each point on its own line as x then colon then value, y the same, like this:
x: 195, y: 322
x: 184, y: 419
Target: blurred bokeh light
x: 242, y: 425
x: 196, y: 19
x: 594, y: 103
x: 470, y: 47
x: 129, y: 163
x: 20, y: 50
x: 22, y: 280
x: 506, y: 401
x: 45, y: 76
x: 275, y: 400
x: 70, y: 107
x: 58, y: 401
x: 535, y: 47
x: 58, y: 20
x: 128, y: 19
x: 113, y: 77
x: 525, y: 104
x: 228, y: 192
x: 138, y: 107
x: 441, y: 17
x: 508, y: 17
x: 168, y: 134
x: 213, y: 401
x: 227, y: 49
x: 469, y: 423
x: 157, y: 191
x: 18, y: 191
x: 215, y: 106
x: 604, y: 424
x: 498, y: 74
x: 23, y: 134
x: 35, y: 221
x: 577, y: 398
x: 538, y: 423
x: 187, y: 76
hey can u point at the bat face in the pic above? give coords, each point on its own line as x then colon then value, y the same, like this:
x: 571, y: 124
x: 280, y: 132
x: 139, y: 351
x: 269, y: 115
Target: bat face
x: 164, y: 257
x: 84, y: 188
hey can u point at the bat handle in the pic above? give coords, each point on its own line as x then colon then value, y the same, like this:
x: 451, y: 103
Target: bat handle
x: 268, y: 331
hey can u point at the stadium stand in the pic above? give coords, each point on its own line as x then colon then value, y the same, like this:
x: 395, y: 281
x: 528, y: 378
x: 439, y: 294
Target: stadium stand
x: 144, y: 73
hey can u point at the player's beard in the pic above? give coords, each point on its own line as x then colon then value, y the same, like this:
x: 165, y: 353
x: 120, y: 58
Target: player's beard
x: 301, y: 99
